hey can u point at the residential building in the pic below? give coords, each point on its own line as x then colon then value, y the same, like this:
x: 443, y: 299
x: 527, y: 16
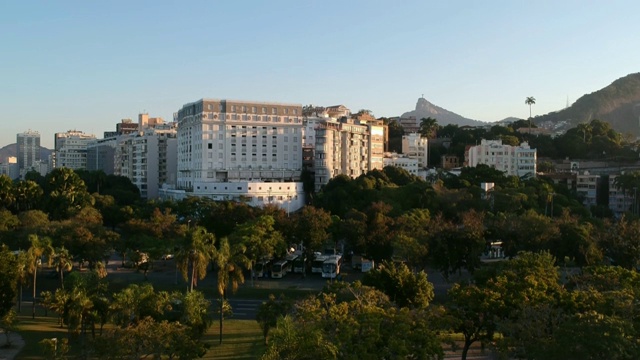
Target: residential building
x: 149, y: 157
x: 240, y: 142
x: 28, y: 150
x: 70, y: 149
x: 512, y: 160
x: 101, y: 155
x: 416, y: 147
x: 9, y: 167
x: 587, y: 188
x: 450, y: 162
x: 125, y: 126
x: 402, y: 161
x: 621, y: 201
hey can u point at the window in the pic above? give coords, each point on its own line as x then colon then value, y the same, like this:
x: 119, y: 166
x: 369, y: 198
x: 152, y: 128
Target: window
x: 264, y: 110
x: 210, y: 145
x: 274, y: 111
x: 253, y: 109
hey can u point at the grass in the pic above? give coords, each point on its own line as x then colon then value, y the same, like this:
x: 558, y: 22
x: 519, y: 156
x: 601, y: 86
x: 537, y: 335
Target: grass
x: 35, y: 330
x: 241, y: 339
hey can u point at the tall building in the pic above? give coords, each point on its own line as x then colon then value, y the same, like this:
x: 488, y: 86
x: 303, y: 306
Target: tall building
x: 101, y: 155
x: 512, y: 160
x: 70, y: 149
x: 9, y: 167
x: 416, y: 147
x: 149, y: 157
x: 227, y: 147
x: 28, y: 150
x: 125, y: 126
x: 587, y: 188
x: 347, y: 147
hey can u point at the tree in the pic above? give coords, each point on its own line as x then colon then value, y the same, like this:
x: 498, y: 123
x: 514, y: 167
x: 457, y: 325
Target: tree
x: 231, y: 261
x: 8, y: 280
x: 530, y: 100
x: 404, y: 287
x: 473, y: 310
x: 260, y: 240
x: 28, y: 195
x: 428, y: 127
x: 66, y: 193
x: 39, y: 247
x: 62, y: 262
x: 269, y: 312
x: 195, y: 251
x: 7, y: 196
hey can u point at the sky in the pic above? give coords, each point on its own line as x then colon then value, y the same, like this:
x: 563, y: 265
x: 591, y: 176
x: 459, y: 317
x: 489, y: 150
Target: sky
x: 85, y: 65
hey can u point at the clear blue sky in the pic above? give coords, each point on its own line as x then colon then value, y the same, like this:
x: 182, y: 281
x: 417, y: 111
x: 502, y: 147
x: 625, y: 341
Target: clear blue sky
x: 85, y: 65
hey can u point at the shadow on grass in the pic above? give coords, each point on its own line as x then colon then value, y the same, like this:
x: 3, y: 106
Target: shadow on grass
x: 241, y: 339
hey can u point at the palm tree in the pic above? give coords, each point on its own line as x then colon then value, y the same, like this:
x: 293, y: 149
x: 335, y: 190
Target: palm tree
x: 428, y: 127
x: 530, y: 100
x: 38, y: 248
x: 62, y: 261
x: 196, y: 250
x: 231, y: 261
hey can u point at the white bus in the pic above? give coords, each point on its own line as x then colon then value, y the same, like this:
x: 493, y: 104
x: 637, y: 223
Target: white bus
x: 262, y: 268
x: 291, y: 259
x: 280, y: 269
x: 316, y: 264
x: 331, y: 266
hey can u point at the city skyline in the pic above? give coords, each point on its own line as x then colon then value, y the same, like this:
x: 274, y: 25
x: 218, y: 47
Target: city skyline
x: 73, y: 65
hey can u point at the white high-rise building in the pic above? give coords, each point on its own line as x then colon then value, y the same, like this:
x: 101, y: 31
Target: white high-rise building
x: 512, y: 160
x: 416, y: 147
x: 148, y: 158
x: 227, y: 148
x: 71, y: 149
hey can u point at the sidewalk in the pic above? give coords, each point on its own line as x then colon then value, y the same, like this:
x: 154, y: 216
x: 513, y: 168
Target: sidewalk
x: 17, y: 343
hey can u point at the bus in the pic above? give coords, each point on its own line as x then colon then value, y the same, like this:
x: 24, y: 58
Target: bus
x: 331, y: 266
x: 316, y: 264
x: 280, y: 269
x: 299, y: 264
x: 291, y: 259
x: 262, y: 268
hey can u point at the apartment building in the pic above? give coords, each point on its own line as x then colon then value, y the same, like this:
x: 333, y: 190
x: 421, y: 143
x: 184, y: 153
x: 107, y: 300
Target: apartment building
x: 512, y: 160
x: 620, y: 201
x: 416, y: 147
x: 411, y: 165
x: 28, y: 150
x: 149, y: 157
x: 70, y: 149
x: 241, y: 142
x: 347, y: 146
x: 587, y: 188
x: 9, y: 167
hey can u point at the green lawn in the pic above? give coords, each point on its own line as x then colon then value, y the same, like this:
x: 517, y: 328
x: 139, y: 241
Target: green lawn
x: 34, y: 330
x: 241, y: 339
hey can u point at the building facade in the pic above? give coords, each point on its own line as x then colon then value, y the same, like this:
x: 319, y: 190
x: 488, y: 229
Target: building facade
x: 416, y: 147
x: 587, y: 188
x: 28, y: 150
x: 148, y: 158
x: 512, y: 160
x: 230, y: 141
x: 70, y: 149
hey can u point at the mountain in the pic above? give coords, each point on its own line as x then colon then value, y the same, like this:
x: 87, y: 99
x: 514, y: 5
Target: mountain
x: 618, y: 104
x: 425, y: 109
x: 12, y: 150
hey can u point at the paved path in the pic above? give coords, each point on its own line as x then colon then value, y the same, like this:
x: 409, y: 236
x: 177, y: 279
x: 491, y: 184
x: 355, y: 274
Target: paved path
x: 17, y: 343
x: 244, y: 309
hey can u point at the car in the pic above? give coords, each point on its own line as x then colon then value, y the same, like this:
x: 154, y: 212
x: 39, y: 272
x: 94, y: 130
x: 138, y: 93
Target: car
x: 167, y: 257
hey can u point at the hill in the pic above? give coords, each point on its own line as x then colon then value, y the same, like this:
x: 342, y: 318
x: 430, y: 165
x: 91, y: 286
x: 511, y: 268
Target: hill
x: 425, y: 109
x: 618, y: 104
x: 12, y: 150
